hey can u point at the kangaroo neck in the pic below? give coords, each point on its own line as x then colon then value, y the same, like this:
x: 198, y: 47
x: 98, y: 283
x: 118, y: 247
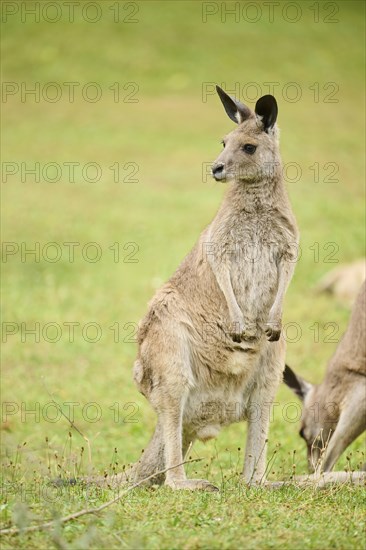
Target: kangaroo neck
x: 256, y: 196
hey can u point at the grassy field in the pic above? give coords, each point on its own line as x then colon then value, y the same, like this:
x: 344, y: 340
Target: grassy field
x: 150, y: 137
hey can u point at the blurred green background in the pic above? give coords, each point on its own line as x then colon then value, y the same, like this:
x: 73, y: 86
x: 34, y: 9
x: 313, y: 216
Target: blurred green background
x: 162, y: 128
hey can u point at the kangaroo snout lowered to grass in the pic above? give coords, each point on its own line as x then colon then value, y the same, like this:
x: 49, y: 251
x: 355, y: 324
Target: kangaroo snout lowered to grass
x: 210, y: 345
x: 334, y: 412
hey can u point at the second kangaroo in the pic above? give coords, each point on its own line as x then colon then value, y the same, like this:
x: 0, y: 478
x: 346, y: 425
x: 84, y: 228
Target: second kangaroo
x: 210, y: 346
x: 334, y: 412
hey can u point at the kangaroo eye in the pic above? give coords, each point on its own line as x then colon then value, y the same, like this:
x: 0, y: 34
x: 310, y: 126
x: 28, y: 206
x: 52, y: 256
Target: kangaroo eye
x: 249, y: 148
x: 223, y: 143
x: 301, y: 433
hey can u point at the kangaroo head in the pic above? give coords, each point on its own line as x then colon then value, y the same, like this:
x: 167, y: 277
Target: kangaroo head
x: 251, y: 151
x: 318, y: 419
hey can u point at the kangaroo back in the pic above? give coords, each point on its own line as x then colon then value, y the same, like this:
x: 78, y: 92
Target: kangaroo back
x: 351, y: 351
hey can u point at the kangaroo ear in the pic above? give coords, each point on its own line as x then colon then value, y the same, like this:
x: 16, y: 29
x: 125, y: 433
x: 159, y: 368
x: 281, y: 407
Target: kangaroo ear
x: 297, y: 384
x: 266, y: 108
x: 238, y: 112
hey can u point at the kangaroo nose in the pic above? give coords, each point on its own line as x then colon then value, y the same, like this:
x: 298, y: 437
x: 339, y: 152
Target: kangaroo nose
x: 218, y: 170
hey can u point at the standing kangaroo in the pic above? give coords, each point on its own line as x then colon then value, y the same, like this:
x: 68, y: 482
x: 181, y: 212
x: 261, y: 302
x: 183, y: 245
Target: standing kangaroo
x: 210, y: 345
x: 334, y: 412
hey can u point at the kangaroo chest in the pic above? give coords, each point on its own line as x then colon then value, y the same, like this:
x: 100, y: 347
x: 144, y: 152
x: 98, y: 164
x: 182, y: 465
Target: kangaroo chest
x: 254, y: 245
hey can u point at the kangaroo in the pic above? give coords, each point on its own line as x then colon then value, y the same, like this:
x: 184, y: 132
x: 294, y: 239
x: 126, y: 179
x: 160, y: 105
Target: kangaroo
x: 334, y: 412
x: 210, y: 345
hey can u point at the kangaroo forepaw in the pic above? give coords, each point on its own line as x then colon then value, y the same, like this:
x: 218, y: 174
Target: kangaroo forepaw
x: 192, y: 485
x: 242, y: 332
x: 273, y: 331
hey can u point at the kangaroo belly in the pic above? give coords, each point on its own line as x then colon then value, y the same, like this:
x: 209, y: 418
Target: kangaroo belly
x: 208, y: 408
x: 204, y: 417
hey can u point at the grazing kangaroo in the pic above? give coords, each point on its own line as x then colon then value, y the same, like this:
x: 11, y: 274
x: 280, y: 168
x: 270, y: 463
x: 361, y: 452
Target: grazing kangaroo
x: 334, y: 412
x: 210, y: 345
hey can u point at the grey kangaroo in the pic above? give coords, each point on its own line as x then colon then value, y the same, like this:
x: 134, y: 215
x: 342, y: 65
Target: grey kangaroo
x: 210, y: 346
x: 334, y: 412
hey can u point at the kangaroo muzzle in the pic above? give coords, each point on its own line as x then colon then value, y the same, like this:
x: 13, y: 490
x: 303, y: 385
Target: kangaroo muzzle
x: 218, y: 171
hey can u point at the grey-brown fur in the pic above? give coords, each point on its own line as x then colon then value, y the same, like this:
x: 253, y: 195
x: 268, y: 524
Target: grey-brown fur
x: 210, y: 348
x: 334, y: 412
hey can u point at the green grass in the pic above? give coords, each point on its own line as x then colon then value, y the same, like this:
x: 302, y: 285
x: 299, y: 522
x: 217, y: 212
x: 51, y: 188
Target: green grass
x: 169, y: 134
